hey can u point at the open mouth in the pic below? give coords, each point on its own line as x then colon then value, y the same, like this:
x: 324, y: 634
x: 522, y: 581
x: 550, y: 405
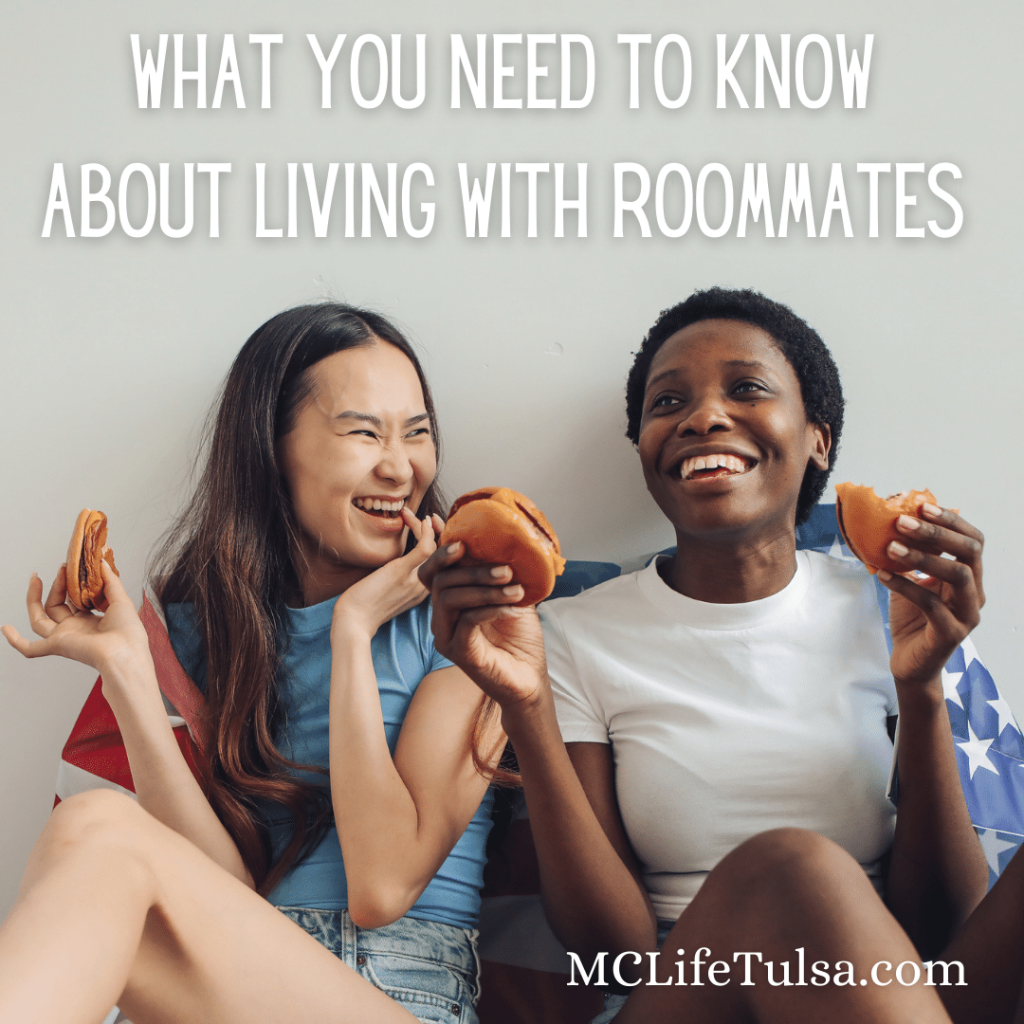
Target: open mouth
x: 711, y: 467
x: 382, y: 508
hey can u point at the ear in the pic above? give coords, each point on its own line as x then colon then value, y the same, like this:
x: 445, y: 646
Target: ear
x: 820, y: 438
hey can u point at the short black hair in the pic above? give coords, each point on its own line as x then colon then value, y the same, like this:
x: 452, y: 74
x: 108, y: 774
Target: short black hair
x: 802, y: 346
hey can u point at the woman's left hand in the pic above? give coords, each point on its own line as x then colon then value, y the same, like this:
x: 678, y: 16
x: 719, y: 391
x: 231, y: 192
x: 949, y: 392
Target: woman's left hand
x: 930, y: 616
x: 117, y: 637
x: 394, y: 587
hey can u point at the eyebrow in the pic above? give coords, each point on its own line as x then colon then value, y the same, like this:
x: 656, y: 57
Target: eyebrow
x: 735, y: 364
x: 366, y: 417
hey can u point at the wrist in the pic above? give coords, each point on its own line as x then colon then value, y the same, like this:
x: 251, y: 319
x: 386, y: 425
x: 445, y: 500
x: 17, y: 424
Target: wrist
x: 129, y: 681
x: 350, y: 624
x: 920, y: 695
x: 530, y: 715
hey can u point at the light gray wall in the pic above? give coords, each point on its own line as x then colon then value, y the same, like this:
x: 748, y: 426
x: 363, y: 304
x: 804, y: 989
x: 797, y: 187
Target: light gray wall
x: 113, y: 346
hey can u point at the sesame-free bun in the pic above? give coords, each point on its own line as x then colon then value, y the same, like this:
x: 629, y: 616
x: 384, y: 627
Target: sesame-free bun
x: 499, y: 526
x: 868, y: 522
x: 85, y: 552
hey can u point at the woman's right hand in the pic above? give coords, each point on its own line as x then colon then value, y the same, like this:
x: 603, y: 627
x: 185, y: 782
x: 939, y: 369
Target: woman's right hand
x: 115, y: 638
x: 476, y: 624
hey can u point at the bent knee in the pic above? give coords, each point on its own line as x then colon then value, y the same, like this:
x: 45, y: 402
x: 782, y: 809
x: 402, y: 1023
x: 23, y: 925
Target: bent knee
x: 786, y: 859
x: 97, y: 815
x: 779, y: 846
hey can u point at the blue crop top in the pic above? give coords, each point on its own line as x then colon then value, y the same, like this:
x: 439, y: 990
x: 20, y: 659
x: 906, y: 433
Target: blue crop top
x: 403, y: 653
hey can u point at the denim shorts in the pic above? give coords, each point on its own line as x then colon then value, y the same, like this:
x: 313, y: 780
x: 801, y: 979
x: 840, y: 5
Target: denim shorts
x: 429, y: 968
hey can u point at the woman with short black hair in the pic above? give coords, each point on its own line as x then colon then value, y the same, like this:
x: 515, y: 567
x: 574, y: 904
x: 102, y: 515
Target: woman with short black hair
x: 720, y: 793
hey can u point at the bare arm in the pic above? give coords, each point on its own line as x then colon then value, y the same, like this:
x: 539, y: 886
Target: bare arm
x: 581, y: 846
x: 397, y: 819
x: 937, y: 871
x: 582, y: 849
x: 116, y: 645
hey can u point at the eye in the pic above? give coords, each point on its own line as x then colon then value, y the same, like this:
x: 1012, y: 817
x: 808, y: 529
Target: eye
x: 750, y: 387
x: 420, y: 432
x: 363, y: 433
x: 665, y: 401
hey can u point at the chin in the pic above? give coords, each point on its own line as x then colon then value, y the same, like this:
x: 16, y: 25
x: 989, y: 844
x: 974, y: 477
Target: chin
x: 716, y: 515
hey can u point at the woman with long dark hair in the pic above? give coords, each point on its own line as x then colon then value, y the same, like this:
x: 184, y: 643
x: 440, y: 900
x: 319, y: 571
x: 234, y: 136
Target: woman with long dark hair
x: 291, y: 597
x: 720, y: 794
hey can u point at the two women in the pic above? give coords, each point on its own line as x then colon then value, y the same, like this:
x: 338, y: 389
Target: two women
x: 293, y: 603
x: 736, y: 411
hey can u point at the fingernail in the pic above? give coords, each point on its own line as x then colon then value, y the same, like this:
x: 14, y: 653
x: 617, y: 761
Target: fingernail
x: 511, y: 590
x: 909, y: 523
x: 897, y: 549
x: 884, y: 575
x: 498, y: 571
x: 932, y: 510
x: 452, y: 548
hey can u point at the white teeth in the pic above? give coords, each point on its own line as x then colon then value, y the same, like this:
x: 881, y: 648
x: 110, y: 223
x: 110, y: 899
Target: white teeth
x: 378, y: 504
x: 717, y: 461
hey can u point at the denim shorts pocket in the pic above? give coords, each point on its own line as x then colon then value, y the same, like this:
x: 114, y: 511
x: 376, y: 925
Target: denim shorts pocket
x: 429, y: 990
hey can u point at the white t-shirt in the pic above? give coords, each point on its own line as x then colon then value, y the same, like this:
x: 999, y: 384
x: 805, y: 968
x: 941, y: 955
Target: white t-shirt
x: 730, y: 719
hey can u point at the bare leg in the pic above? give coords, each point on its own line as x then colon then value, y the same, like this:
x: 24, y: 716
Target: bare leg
x: 775, y: 894
x: 114, y: 907
x: 991, y: 947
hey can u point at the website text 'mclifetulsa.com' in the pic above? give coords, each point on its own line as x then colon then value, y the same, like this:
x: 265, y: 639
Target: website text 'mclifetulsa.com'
x: 628, y: 969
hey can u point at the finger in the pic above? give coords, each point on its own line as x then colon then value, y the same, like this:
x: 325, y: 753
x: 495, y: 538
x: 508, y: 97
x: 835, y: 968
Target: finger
x: 962, y: 597
x: 438, y: 523
x: 113, y: 588
x: 950, y: 533
x: 425, y: 547
x: 56, y: 607
x: 930, y: 603
x: 965, y: 547
x: 952, y: 520
x: 442, y: 557
x: 410, y: 520
x: 473, y: 618
x: 41, y: 623
x: 451, y: 605
x: 458, y: 599
x: 27, y: 648
x: 949, y: 570
x: 427, y: 539
x: 35, y: 591
x: 472, y: 575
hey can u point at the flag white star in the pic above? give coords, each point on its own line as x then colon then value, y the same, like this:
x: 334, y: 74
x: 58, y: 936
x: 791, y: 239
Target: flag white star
x: 836, y: 551
x: 970, y: 652
x: 1005, y: 715
x: 993, y: 846
x: 977, y: 752
x: 949, y: 684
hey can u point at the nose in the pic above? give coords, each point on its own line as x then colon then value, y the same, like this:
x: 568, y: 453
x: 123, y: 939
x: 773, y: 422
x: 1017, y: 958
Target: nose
x: 395, y: 465
x: 706, y: 413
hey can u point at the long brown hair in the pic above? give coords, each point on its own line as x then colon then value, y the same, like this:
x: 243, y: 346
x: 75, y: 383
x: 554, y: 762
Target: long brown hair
x: 231, y: 556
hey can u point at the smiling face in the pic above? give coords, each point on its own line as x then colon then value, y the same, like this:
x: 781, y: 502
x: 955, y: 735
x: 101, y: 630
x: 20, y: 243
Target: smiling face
x: 359, y: 450
x: 724, y: 436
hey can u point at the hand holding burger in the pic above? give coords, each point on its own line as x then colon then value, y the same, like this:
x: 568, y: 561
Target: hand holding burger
x: 868, y: 522
x: 930, y: 558
x: 502, y: 527
x: 62, y: 618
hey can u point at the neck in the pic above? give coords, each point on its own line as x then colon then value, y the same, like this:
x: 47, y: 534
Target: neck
x: 722, y: 571
x: 321, y: 578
